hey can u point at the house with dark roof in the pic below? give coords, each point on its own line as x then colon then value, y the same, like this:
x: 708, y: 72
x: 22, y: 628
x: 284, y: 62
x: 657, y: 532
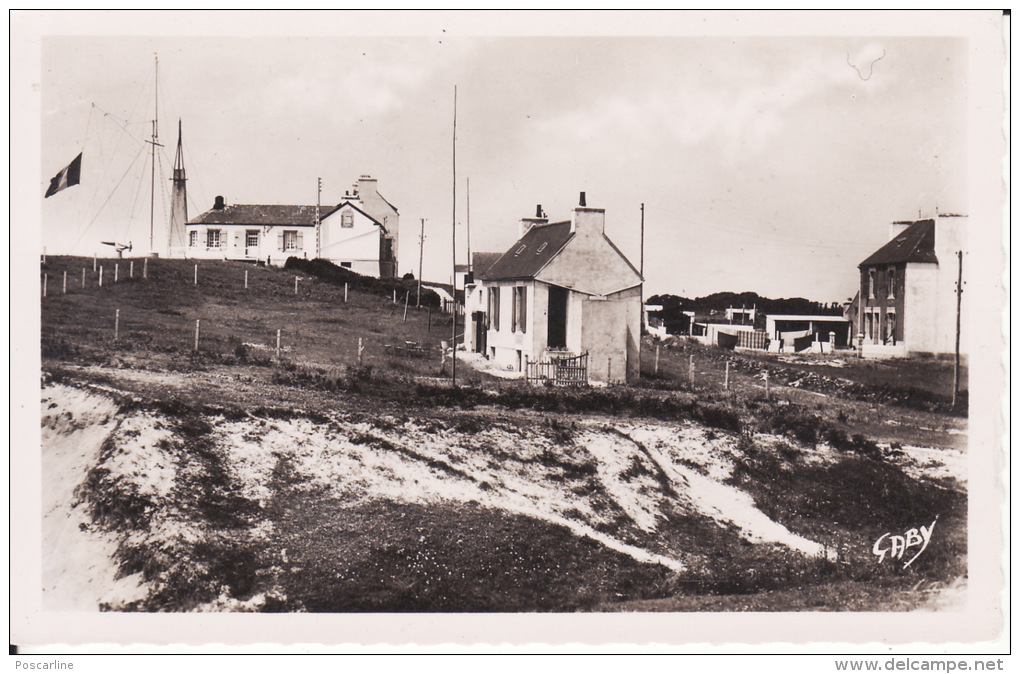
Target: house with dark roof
x: 563, y: 288
x: 907, y: 297
x: 359, y: 233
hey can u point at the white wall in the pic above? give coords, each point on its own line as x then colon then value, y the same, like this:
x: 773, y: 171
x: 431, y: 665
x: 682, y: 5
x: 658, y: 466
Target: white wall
x: 506, y: 342
x: 232, y: 243
x: 357, y: 245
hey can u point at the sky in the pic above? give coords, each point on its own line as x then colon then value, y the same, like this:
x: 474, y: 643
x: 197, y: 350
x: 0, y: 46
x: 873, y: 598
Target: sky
x: 768, y: 164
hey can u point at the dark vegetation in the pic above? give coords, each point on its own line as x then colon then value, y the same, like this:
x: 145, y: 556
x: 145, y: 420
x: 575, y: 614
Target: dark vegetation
x: 331, y: 273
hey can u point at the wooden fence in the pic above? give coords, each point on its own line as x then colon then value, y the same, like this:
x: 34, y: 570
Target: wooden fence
x: 753, y: 340
x: 564, y: 371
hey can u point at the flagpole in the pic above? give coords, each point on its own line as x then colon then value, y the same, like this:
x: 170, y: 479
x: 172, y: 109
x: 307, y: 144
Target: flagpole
x: 453, y: 340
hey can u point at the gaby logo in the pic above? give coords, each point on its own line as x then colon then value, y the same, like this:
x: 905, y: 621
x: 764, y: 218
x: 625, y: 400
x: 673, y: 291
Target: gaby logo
x: 897, y: 546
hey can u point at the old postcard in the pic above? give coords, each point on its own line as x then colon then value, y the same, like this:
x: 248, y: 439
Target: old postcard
x: 356, y: 329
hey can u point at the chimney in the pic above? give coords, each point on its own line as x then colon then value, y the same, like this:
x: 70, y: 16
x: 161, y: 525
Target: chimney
x: 588, y: 221
x: 898, y: 227
x: 219, y: 205
x: 527, y: 223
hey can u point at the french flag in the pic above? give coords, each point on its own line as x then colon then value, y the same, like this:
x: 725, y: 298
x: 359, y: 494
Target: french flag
x: 69, y: 175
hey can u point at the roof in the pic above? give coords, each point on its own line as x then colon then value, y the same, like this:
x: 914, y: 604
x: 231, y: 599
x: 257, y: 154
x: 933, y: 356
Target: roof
x: 354, y: 205
x: 796, y: 317
x: 531, y: 253
x: 258, y: 214
x: 916, y: 243
x: 480, y: 262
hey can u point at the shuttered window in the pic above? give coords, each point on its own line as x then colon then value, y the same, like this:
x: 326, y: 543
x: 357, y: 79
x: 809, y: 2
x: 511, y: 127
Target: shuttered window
x: 494, y: 308
x: 519, y: 318
x: 212, y: 238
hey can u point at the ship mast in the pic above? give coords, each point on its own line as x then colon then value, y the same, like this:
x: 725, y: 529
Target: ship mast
x: 155, y: 143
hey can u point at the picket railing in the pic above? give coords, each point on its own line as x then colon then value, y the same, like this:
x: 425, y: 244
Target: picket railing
x: 559, y: 371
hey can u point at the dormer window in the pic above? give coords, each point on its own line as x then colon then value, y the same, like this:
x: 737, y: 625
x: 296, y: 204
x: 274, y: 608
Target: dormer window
x: 520, y: 250
x: 542, y: 247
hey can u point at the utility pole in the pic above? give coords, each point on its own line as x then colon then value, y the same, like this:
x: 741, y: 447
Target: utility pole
x: 453, y: 262
x: 421, y: 257
x: 959, y: 299
x: 318, y: 225
x: 468, y: 231
x: 642, y: 241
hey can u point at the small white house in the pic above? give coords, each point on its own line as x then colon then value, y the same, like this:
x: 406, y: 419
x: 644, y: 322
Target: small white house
x: 562, y: 288
x: 355, y: 234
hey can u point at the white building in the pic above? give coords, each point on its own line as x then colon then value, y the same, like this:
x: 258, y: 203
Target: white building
x: 359, y: 233
x: 562, y: 288
x: 907, y: 302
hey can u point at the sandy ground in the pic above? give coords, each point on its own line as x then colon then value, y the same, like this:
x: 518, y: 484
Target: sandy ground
x: 612, y: 490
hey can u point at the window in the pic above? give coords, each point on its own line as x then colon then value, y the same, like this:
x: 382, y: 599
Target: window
x: 346, y: 265
x: 251, y: 238
x: 890, y: 327
x: 212, y: 238
x: 347, y: 218
x: 290, y: 240
x: 519, y: 314
x: 871, y: 284
x: 494, y: 308
x: 891, y: 280
x: 193, y: 239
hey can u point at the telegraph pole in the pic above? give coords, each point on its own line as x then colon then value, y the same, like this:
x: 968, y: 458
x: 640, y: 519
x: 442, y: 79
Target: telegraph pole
x: 421, y: 257
x: 959, y: 299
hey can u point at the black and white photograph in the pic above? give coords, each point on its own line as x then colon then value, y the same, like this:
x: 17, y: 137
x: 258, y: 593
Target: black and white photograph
x: 449, y: 327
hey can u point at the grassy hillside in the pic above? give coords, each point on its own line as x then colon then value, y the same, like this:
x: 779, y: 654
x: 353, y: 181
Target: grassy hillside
x: 228, y: 479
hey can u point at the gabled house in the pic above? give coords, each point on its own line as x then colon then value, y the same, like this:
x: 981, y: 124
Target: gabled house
x: 359, y: 233
x: 562, y: 288
x: 907, y: 298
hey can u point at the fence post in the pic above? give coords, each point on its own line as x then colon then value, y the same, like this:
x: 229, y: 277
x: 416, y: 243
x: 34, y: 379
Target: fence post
x: 145, y: 268
x: 45, y: 278
x: 406, y: 298
x: 100, y: 277
x: 131, y: 269
x: 526, y: 380
x: 345, y: 293
x: 196, y: 274
x: 394, y: 295
x: 116, y: 326
x: 83, y: 277
x: 65, y: 282
x: 690, y: 371
x: 295, y: 284
x: 95, y: 261
x: 726, y: 383
x: 361, y: 349
x: 767, y: 395
x: 278, y: 331
x: 245, y: 279
x: 196, y: 334
x: 656, y: 359
x: 116, y: 271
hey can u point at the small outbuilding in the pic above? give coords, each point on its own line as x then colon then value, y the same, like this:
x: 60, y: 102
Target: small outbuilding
x: 562, y: 289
